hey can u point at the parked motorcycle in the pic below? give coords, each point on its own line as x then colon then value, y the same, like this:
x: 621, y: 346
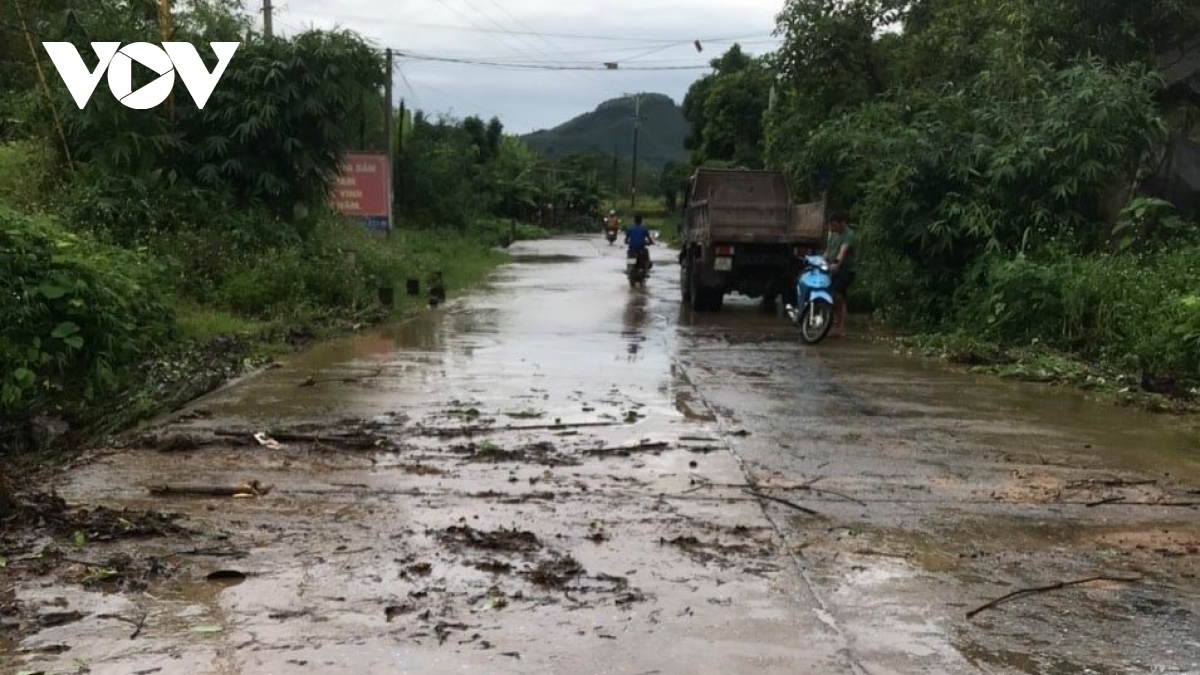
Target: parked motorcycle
x: 814, y: 311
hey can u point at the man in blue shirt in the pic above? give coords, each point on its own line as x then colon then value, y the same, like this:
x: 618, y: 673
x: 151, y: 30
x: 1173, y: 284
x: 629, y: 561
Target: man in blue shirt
x: 638, y: 238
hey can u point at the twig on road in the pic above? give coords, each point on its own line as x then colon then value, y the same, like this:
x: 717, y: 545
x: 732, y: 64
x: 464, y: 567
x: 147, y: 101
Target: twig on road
x: 807, y: 486
x: 360, y: 441
x: 835, y: 494
x: 1102, y: 502
x: 1112, y: 482
x: 312, y: 381
x: 1122, y: 502
x: 470, y: 431
x: 251, y: 488
x: 627, y: 450
x: 138, y: 623
x: 785, y: 502
x: 1045, y: 589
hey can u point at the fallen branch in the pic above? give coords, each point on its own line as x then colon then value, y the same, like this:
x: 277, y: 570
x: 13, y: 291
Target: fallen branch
x: 1121, y: 501
x: 248, y: 489
x: 628, y: 450
x: 360, y: 441
x: 835, y: 494
x: 138, y: 623
x: 214, y: 553
x: 470, y: 431
x: 785, y: 502
x: 808, y: 486
x: 1046, y: 589
x: 1112, y: 482
x: 312, y: 381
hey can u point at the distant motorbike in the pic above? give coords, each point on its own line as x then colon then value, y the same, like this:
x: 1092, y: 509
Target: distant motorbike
x: 637, y: 266
x: 813, y: 312
x: 611, y: 236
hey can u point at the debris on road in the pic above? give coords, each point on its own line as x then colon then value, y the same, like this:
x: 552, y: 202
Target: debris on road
x: 267, y: 442
x: 1046, y: 589
x: 312, y: 381
x: 626, y: 451
x: 513, y: 541
x: 785, y: 502
x: 246, y: 489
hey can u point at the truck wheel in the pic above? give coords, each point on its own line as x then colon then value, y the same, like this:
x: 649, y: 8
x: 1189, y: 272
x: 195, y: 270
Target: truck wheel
x: 715, y: 300
x: 698, y: 293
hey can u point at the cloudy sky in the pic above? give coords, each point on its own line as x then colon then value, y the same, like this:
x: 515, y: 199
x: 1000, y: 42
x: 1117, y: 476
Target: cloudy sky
x: 647, y: 34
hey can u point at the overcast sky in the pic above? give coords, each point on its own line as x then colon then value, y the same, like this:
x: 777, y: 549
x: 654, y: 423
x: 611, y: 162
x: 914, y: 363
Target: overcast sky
x: 634, y: 33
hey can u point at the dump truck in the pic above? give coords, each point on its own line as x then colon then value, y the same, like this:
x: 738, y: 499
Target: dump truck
x: 742, y: 234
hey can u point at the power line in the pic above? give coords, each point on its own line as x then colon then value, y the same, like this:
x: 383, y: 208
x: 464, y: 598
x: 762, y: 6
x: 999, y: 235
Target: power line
x: 522, y: 24
x: 577, y: 76
x: 598, y: 53
x: 542, y: 66
x: 566, y: 36
x: 407, y: 84
x: 501, y: 28
x: 652, y: 51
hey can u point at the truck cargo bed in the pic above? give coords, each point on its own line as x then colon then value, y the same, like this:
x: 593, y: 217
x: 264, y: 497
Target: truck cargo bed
x: 750, y: 206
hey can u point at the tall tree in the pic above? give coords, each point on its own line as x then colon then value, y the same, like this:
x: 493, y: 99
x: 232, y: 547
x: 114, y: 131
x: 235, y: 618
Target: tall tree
x: 726, y: 108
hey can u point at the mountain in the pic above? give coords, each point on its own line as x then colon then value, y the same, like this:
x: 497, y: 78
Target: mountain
x: 610, y: 126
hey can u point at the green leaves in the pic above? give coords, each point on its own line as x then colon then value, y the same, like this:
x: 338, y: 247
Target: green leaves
x: 75, y: 314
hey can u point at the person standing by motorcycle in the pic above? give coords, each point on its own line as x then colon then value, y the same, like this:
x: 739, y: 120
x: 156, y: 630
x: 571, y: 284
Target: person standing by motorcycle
x: 842, y: 255
x: 637, y: 238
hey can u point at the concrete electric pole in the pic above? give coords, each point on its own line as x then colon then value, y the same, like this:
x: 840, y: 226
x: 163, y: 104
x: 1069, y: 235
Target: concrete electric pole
x: 637, y: 123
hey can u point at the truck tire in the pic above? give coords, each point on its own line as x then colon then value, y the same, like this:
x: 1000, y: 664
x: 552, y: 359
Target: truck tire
x: 716, y: 299
x: 699, y: 294
x: 685, y: 281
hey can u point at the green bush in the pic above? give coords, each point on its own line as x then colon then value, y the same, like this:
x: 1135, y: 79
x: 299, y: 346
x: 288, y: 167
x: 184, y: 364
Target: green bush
x: 25, y: 168
x: 1124, y: 311
x: 284, y: 282
x: 77, y: 313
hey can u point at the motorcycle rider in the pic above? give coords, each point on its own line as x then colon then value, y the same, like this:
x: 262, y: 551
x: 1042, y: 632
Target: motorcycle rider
x: 637, y: 238
x: 611, y: 222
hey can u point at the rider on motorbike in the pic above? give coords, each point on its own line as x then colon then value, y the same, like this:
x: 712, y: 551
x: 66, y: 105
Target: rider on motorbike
x: 612, y: 223
x: 637, y: 238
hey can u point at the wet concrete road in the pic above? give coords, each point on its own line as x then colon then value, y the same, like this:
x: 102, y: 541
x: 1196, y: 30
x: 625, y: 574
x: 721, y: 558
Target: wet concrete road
x: 558, y: 478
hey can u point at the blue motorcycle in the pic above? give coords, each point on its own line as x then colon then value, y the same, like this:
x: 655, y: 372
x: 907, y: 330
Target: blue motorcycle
x: 814, y: 311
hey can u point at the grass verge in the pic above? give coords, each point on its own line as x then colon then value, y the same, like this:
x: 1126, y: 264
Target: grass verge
x: 1042, y: 365
x: 218, y: 340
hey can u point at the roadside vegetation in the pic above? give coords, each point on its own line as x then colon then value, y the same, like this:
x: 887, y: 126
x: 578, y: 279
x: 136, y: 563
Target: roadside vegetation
x: 991, y: 154
x: 147, y: 256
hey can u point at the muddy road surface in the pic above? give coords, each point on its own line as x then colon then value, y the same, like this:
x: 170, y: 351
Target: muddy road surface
x: 561, y: 474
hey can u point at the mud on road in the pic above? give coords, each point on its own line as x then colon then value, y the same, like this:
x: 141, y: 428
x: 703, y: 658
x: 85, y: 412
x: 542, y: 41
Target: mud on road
x: 563, y: 474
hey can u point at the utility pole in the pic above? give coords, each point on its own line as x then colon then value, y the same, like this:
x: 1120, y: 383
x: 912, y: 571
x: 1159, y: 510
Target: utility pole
x: 637, y: 123
x: 397, y: 180
x: 615, y: 178
x: 267, y: 27
x: 389, y: 132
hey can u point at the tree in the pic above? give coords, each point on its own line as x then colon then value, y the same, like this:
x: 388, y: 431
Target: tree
x: 725, y: 109
x: 673, y: 184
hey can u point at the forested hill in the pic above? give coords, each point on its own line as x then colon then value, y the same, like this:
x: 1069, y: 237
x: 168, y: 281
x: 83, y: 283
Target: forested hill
x: 610, y: 127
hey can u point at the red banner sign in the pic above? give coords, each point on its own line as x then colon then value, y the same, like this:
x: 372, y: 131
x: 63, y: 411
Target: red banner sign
x: 362, y: 189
